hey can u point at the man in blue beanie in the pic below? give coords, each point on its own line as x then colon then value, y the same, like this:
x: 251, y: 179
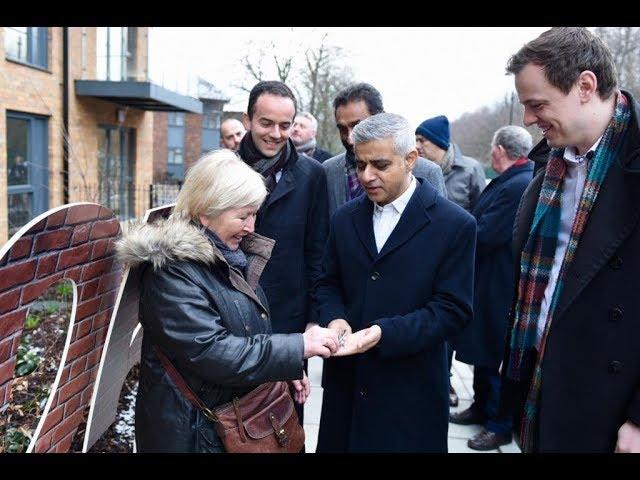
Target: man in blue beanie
x: 464, y: 177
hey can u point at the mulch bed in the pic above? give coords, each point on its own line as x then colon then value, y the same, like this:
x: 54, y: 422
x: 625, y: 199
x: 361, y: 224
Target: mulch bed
x: 39, y: 354
x: 38, y: 360
x: 119, y: 437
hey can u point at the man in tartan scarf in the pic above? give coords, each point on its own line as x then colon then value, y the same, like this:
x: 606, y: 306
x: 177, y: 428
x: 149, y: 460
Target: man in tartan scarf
x: 571, y: 370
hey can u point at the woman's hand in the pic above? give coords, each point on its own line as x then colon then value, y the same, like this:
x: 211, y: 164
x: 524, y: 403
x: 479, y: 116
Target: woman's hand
x: 302, y: 389
x: 320, y: 341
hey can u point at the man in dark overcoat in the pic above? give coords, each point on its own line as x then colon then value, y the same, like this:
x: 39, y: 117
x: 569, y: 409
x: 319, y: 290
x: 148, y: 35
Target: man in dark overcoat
x: 295, y: 213
x: 572, y: 366
x: 397, y: 282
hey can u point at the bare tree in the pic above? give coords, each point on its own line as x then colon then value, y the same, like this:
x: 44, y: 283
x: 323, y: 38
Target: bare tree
x: 256, y: 65
x: 316, y: 76
x: 624, y: 43
x: 324, y: 74
x: 474, y: 131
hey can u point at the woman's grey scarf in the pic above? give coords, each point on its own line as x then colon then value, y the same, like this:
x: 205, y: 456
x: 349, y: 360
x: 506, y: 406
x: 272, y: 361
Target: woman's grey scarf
x: 236, y: 258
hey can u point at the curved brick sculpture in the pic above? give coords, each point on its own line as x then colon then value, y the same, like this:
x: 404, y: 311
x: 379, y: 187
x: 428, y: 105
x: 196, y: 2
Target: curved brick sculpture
x: 75, y: 242
x: 122, y: 351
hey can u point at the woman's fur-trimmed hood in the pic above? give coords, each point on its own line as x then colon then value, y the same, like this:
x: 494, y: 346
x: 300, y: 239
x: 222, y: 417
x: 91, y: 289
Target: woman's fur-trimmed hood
x: 164, y: 241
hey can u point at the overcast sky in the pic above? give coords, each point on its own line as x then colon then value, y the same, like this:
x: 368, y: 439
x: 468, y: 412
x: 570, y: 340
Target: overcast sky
x: 420, y: 71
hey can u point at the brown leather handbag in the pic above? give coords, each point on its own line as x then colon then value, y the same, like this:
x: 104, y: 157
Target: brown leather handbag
x: 262, y: 421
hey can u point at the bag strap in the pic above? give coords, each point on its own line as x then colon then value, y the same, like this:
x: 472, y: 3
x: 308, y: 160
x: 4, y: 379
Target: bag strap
x: 182, y: 385
x: 236, y: 408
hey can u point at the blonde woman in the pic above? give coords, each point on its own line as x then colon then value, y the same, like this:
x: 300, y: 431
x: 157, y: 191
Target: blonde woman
x: 201, y: 306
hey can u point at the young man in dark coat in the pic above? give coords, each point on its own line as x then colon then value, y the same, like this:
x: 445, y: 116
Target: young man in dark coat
x: 397, y: 271
x: 295, y: 213
x: 572, y: 366
x: 481, y: 344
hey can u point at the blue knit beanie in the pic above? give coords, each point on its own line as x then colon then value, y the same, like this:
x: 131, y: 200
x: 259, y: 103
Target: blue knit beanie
x: 436, y: 130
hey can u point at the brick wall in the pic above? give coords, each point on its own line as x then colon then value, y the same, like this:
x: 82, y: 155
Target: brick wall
x: 192, y: 139
x: 34, y: 91
x: 73, y: 242
x: 160, y: 126
x: 30, y: 90
x: 122, y: 350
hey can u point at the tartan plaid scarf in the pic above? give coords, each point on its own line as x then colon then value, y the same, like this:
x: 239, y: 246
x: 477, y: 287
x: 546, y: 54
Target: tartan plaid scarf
x: 538, y: 254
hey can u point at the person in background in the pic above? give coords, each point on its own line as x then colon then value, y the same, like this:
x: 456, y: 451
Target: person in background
x: 464, y: 178
x: 352, y: 105
x: 305, y: 128
x: 481, y: 344
x: 231, y: 133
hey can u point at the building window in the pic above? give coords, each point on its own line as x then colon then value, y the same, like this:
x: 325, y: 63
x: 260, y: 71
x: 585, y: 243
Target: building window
x: 116, y: 53
x: 175, y: 163
x: 176, y: 119
x: 27, y: 45
x: 116, y: 153
x: 210, y: 129
x: 211, y: 120
x: 27, y: 168
x: 175, y: 146
x: 175, y: 156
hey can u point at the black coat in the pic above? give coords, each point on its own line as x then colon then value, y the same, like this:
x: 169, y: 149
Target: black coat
x: 296, y: 216
x: 419, y: 290
x: 482, y: 341
x: 213, y: 328
x: 591, y: 368
x: 321, y: 155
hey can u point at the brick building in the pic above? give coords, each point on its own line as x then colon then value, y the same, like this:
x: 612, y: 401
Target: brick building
x: 179, y: 138
x: 76, y: 121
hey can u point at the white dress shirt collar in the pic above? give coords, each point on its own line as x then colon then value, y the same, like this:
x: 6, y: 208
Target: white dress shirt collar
x: 400, y: 203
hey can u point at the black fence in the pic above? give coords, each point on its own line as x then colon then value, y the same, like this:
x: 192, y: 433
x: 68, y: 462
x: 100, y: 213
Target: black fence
x: 125, y: 200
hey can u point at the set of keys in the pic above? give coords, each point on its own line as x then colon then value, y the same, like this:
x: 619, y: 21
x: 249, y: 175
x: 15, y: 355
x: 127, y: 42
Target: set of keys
x: 342, y: 338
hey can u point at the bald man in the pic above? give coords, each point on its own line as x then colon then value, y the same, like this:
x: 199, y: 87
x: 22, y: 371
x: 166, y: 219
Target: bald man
x: 231, y: 132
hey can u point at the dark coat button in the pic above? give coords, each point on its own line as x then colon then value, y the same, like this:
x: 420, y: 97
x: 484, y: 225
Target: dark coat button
x: 615, y: 314
x: 264, y: 316
x: 615, y: 262
x: 375, y: 276
x: 615, y: 367
x: 363, y: 393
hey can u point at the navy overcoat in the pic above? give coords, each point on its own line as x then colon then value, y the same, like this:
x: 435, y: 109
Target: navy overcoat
x: 482, y: 342
x: 418, y: 289
x: 296, y: 216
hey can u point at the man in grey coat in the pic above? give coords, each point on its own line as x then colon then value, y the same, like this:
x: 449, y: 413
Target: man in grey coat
x: 463, y: 176
x: 352, y: 105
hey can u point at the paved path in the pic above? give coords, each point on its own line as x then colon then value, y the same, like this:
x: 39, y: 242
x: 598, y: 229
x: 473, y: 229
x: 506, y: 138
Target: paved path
x: 462, y: 381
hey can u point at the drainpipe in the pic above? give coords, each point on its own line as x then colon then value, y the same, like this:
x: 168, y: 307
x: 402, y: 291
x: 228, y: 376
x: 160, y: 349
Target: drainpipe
x: 65, y: 114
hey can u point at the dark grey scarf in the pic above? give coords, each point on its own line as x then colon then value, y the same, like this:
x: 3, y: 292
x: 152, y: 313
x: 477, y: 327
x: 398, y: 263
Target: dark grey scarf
x: 267, y: 167
x: 235, y: 258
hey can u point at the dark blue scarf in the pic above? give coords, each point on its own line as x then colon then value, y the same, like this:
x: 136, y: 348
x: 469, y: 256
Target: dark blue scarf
x: 236, y: 258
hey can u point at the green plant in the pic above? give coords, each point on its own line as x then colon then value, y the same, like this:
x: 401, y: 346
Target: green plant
x: 27, y: 360
x: 32, y: 321
x: 16, y: 440
x: 64, y: 289
x: 52, y: 308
